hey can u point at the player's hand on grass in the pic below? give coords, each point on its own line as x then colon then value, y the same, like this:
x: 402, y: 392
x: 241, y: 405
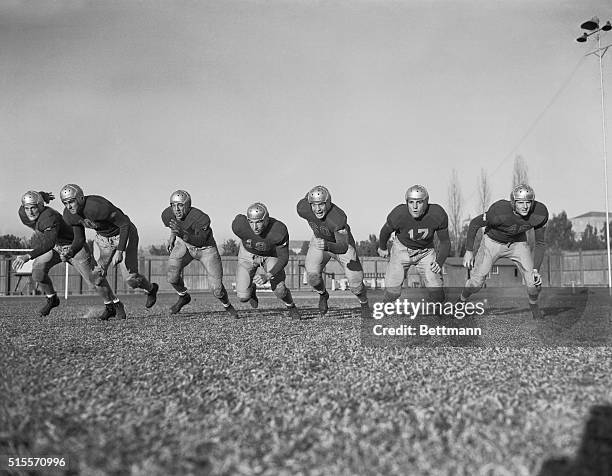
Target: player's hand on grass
x: 318, y: 244
x: 117, y: 258
x: 468, y: 260
x: 435, y: 267
x: 382, y: 253
x: 537, y: 278
x: 20, y: 261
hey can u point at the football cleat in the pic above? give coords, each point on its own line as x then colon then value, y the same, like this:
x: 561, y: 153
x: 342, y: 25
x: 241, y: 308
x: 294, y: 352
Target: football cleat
x: 323, y: 307
x: 52, y: 302
x: 535, y: 311
x: 152, y: 296
x: 120, y: 310
x: 254, y: 300
x: 365, y: 310
x: 232, y: 311
x: 178, y: 305
x: 109, y: 311
x: 294, y: 313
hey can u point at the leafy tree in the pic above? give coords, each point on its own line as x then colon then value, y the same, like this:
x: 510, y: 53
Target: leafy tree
x: 559, y: 234
x: 368, y: 247
x: 160, y: 250
x: 304, y: 248
x: 455, y: 212
x: 13, y: 242
x: 590, y: 239
x: 519, y: 172
x: 230, y: 247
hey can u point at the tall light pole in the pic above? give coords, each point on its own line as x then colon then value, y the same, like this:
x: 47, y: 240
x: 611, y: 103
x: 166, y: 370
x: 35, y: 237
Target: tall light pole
x: 593, y: 28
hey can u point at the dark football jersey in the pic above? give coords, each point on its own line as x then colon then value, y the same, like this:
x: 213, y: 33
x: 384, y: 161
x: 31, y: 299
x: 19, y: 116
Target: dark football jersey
x: 333, y: 221
x: 55, y: 231
x: 99, y: 214
x: 505, y: 226
x: 196, y: 225
x: 275, y: 235
x: 417, y: 233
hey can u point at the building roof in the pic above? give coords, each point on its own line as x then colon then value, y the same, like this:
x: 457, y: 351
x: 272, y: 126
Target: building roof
x: 591, y: 215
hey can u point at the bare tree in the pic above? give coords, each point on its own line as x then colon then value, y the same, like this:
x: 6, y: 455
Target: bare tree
x: 484, y: 191
x: 455, y: 212
x: 519, y: 173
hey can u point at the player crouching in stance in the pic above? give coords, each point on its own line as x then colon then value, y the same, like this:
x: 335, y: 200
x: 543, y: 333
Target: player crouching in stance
x: 505, y: 236
x: 332, y: 238
x: 116, y: 236
x: 191, y: 237
x: 55, y: 246
x: 415, y: 224
x: 264, y: 241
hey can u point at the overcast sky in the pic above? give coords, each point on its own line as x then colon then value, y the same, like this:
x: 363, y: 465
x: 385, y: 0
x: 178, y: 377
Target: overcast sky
x: 243, y: 101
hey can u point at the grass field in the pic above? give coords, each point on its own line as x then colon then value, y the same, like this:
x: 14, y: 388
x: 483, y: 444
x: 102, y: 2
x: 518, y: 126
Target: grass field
x: 200, y: 393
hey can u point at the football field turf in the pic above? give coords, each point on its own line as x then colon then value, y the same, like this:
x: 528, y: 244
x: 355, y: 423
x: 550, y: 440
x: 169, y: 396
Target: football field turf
x: 201, y: 393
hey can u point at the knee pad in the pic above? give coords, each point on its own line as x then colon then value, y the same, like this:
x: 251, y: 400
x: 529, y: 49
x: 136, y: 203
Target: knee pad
x: 391, y: 294
x: 436, y: 294
x: 134, y: 281
x: 39, y: 275
x: 533, y: 291
x: 219, y: 292
x: 281, y: 290
x: 475, y: 283
x: 314, y: 279
x: 174, y: 276
x: 357, y: 289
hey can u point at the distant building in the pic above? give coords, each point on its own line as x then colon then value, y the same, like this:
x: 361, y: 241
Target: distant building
x: 596, y: 219
x: 296, y: 245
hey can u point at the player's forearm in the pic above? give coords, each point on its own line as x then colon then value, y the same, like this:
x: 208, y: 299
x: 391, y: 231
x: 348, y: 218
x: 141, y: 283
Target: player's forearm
x: 47, y: 243
x: 476, y: 224
x: 443, y: 249
x: 540, y: 247
x: 384, y: 235
x: 79, y: 239
x: 282, y: 255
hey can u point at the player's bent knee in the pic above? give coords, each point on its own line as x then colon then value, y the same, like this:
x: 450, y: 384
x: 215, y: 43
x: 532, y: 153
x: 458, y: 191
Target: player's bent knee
x: 436, y: 294
x: 174, y: 278
x: 475, y: 282
x: 281, y: 290
x: 314, y: 279
x: 242, y: 297
x: 134, y: 281
x: 39, y: 275
x: 391, y: 294
x: 219, y: 291
x: 356, y: 288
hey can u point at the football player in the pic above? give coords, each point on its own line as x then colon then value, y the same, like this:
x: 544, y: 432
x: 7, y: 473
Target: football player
x: 415, y: 223
x: 507, y: 222
x: 191, y: 237
x: 56, y: 239
x: 332, y: 238
x: 264, y: 241
x: 116, y: 236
